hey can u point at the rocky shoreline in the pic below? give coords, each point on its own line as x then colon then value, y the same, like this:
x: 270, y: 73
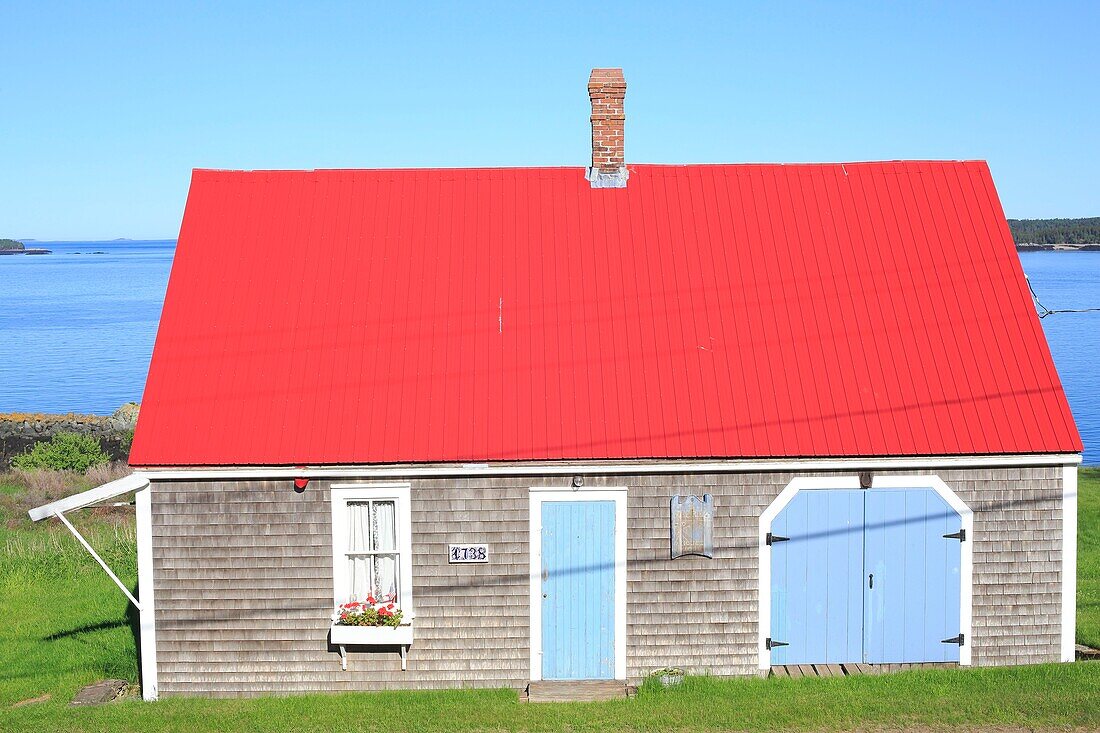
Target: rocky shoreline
x: 20, y: 430
x: 1024, y: 247
x: 26, y: 251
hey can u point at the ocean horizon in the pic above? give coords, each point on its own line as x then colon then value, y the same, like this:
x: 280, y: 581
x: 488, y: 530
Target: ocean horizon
x: 77, y: 326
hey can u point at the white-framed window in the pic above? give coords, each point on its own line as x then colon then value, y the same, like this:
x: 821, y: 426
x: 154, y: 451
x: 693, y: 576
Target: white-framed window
x: 372, y: 544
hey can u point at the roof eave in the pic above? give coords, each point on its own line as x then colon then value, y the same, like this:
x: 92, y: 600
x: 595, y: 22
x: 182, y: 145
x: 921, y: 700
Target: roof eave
x: 109, y: 490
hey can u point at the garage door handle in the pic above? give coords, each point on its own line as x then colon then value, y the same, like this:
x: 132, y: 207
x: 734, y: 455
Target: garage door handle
x: 871, y: 580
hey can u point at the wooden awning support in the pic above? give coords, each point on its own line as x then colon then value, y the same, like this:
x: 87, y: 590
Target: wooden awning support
x: 110, y: 490
x: 143, y: 524
x: 98, y: 559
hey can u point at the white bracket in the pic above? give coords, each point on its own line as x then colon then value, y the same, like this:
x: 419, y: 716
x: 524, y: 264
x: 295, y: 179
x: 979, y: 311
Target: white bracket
x: 344, y: 658
x: 99, y: 560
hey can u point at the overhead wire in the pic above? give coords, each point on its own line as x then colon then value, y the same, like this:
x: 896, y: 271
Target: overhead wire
x: 1044, y: 311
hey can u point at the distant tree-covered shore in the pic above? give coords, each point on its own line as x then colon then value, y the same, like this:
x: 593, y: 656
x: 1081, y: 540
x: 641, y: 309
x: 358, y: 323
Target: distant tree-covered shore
x: 10, y: 244
x: 1055, y: 231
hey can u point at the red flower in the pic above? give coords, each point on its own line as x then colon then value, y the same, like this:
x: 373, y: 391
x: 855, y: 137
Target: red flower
x: 370, y: 599
x: 389, y: 607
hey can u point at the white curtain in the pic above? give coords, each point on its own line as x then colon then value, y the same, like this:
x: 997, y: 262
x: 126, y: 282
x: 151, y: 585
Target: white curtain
x: 359, y: 527
x: 385, y: 540
x: 372, y: 529
x: 359, y: 566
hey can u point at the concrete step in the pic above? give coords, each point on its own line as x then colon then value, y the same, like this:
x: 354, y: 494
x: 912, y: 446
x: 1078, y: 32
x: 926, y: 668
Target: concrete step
x: 575, y: 690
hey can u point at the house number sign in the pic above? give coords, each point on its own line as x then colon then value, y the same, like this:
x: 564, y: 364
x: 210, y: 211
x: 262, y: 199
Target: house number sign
x: 468, y: 553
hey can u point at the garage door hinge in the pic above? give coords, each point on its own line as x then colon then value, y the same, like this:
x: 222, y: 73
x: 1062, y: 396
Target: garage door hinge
x: 773, y: 538
x: 960, y: 536
x: 960, y: 640
x: 770, y: 643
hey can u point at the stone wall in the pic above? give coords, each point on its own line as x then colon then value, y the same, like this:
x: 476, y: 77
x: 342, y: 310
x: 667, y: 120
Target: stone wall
x: 20, y: 430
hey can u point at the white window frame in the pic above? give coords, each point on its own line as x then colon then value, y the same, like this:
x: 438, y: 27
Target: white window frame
x: 342, y: 494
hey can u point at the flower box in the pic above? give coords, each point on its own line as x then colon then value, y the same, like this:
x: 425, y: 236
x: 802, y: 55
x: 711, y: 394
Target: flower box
x: 371, y: 635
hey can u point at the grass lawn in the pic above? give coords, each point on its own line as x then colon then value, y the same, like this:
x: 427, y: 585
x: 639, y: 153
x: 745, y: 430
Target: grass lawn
x: 1088, y: 557
x: 66, y: 625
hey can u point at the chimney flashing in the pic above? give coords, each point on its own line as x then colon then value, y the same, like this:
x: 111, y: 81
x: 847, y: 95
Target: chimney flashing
x: 607, y: 179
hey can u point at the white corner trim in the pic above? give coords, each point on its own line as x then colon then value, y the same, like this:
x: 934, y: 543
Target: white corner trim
x: 608, y: 469
x: 109, y: 490
x: 538, y: 495
x: 818, y: 483
x: 147, y: 615
x: 341, y: 495
x: 1069, y: 562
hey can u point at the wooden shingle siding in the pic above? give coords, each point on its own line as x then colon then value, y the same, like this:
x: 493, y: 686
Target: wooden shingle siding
x: 244, y: 581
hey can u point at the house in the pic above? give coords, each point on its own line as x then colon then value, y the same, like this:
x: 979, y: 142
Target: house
x: 579, y: 424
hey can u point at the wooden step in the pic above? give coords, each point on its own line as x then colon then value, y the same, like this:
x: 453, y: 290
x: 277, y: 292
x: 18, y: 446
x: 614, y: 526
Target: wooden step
x: 843, y: 670
x: 1084, y: 652
x: 575, y: 690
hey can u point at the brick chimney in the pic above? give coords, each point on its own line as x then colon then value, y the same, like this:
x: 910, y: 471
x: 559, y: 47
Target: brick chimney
x: 607, y: 90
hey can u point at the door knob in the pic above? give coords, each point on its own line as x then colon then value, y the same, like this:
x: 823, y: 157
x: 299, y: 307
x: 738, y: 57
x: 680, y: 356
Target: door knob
x: 871, y: 581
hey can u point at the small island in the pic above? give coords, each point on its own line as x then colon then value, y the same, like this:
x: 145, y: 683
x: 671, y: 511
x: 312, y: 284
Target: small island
x: 15, y: 247
x: 1068, y: 235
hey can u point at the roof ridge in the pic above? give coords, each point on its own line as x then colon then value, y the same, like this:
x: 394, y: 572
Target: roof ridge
x: 632, y: 166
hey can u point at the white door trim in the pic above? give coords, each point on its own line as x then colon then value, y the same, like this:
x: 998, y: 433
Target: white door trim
x: 538, y: 495
x: 824, y: 483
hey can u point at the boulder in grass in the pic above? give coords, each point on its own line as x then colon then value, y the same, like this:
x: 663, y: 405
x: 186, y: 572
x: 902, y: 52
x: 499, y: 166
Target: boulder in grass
x: 101, y: 692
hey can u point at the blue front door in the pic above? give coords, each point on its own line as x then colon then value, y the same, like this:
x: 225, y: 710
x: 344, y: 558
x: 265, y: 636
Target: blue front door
x: 865, y: 576
x: 578, y: 590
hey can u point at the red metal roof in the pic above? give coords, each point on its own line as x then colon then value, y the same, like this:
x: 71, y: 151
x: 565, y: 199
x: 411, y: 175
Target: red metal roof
x: 368, y: 316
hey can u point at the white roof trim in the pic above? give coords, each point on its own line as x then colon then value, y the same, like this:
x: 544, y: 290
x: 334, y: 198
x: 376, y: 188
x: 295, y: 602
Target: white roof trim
x: 610, y: 468
x: 124, y: 485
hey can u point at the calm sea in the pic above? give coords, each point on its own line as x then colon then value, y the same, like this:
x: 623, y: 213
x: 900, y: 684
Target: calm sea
x: 76, y: 330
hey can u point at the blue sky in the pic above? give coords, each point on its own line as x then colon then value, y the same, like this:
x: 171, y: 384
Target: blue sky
x: 105, y: 108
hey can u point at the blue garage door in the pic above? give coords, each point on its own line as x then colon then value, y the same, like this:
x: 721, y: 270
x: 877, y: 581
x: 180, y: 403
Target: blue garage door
x: 865, y: 576
x: 912, y: 602
x: 578, y: 590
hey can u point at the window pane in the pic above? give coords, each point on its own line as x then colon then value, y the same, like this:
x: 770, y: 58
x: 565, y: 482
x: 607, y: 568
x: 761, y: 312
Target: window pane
x: 359, y: 527
x: 372, y: 558
x: 359, y: 573
x: 385, y: 577
x: 385, y: 533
